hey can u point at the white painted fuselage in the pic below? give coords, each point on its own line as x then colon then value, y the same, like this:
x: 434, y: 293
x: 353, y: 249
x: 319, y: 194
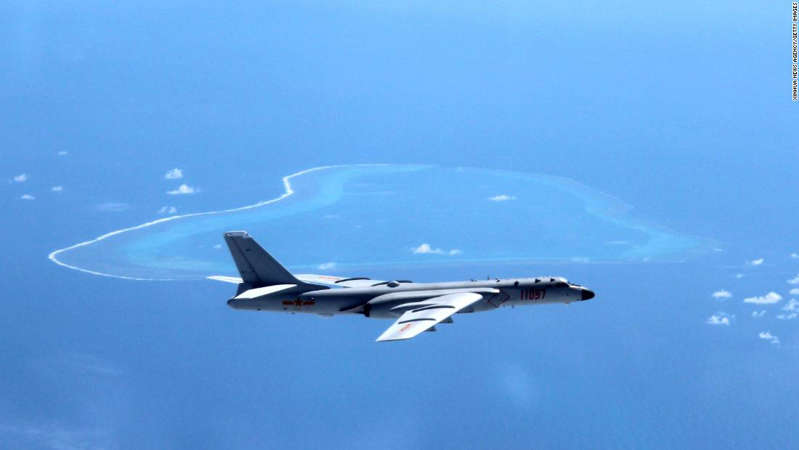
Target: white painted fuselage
x: 380, y: 301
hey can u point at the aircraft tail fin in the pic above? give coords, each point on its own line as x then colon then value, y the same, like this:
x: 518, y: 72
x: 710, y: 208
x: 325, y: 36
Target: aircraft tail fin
x: 256, y: 266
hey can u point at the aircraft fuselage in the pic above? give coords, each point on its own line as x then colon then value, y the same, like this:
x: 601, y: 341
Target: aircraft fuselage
x: 381, y: 301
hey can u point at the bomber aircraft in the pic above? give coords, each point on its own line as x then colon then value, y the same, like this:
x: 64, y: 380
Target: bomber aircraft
x: 265, y: 285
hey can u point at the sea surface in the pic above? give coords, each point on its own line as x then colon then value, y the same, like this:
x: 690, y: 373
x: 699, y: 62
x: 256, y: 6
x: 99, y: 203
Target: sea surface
x: 645, y: 150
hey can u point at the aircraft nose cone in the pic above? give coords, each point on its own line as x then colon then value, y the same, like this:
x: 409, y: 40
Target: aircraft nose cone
x: 231, y: 303
x: 588, y: 294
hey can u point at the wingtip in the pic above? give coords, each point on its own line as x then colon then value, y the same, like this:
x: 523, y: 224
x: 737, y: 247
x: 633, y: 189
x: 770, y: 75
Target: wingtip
x: 386, y: 337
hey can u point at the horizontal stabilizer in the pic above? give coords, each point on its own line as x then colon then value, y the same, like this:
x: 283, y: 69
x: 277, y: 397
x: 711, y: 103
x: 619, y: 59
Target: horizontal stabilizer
x: 225, y: 279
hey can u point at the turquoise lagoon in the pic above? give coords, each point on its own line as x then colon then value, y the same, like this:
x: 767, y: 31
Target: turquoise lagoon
x: 345, y: 219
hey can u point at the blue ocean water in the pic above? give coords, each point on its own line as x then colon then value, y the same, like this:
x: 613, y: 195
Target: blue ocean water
x: 636, y: 166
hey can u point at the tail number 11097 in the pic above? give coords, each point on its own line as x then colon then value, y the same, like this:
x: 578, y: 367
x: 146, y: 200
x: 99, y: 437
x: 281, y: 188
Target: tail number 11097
x: 533, y: 294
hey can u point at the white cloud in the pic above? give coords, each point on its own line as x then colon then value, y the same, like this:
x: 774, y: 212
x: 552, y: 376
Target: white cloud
x: 57, y: 188
x: 720, y: 318
x: 63, y: 153
x: 757, y: 262
x: 766, y: 335
x: 768, y: 299
x: 326, y: 266
x: 739, y: 275
x: 112, y: 207
x: 794, y: 255
x: 183, y: 189
x: 502, y: 198
x: 27, y: 197
x: 21, y: 178
x: 425, y: 249
x: 791, y: 306
x: 174, y: 174
x: 794, y: 280
x: 758, y: 314
x: 218, y: 246
x: 787, y: 316
x: 722, y: 294
x: 794, y: 291
x: 167, y: 210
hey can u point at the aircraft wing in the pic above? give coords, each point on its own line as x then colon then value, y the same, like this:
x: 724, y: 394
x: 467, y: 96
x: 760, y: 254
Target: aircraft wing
x: 432, y: 311
x: 318, y: 279
x: 330, y: 280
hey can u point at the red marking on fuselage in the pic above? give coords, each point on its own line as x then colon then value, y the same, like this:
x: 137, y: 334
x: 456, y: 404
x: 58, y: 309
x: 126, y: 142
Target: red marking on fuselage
x: 405, y: 328
x: 532, y: 294
x: 299, y: 303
